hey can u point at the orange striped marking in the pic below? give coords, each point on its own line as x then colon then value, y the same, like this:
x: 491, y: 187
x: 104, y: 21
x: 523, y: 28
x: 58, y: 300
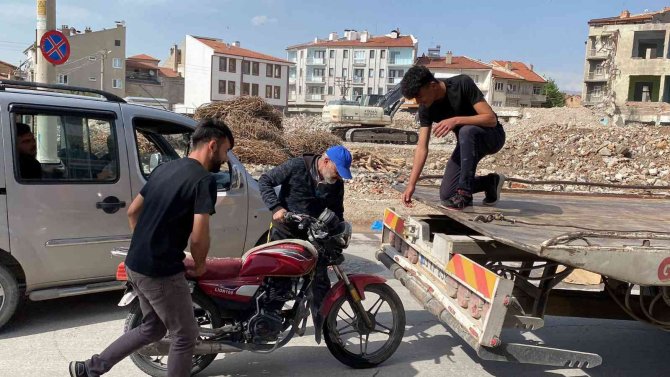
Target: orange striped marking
x: 475, y: 276
x: 394, y: 222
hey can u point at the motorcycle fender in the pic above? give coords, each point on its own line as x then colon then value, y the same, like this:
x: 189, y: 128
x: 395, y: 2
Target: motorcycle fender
x: 359, y: 281
x: 128, y: 296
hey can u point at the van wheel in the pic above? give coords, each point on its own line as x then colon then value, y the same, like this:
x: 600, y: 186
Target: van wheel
x: 9, y: 295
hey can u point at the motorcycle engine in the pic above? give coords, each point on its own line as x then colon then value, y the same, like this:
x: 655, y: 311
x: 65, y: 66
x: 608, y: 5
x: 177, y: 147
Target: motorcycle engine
x: 265, y: 327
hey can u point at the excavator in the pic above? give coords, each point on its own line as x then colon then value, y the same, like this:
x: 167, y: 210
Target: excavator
x: 368, y: 119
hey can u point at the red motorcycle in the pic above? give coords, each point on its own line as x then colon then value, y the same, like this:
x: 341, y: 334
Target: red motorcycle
x: 259, y: 302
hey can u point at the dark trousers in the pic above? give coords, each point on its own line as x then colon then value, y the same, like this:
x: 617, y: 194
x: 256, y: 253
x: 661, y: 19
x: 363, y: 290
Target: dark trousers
x: 321, y: 283
x: 166, y: 305
x: 473, y: 144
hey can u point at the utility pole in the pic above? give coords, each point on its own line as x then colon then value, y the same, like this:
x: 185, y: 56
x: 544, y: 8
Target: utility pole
x: 45, y: 130
x: 45, y: 72
x: 103, y: 56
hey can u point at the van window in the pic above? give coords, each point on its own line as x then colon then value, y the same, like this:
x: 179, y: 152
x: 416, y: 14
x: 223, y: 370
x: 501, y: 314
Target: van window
x: 158, y: 142
x: 64, y: 148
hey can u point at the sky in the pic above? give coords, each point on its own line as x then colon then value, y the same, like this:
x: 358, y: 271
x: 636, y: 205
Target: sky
x: 549, y: 34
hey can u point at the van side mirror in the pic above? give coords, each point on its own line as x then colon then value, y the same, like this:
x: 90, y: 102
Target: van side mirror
x: 223, y: 181
x: 154, y: 160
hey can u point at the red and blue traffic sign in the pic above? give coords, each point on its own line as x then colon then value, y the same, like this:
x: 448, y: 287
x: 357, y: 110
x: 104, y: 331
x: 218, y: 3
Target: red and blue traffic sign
x: 55, y: 47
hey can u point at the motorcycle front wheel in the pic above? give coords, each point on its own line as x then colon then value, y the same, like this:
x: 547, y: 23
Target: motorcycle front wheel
x: 207, y: 316
x: 351, y: 341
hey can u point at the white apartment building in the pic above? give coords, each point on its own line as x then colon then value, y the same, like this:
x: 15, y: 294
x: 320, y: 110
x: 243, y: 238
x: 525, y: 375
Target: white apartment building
x: 97, y: 59
x: 352, y: 66
x: 218, y: 71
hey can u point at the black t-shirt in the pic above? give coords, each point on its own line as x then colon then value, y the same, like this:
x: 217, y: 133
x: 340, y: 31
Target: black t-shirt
x: 174, y: 193
x: 29, y: 167
x: 462, y: 95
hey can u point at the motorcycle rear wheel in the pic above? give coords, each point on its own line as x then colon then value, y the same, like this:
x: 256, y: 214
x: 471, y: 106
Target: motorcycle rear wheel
x: 206, y: 314
x: 343, y: 322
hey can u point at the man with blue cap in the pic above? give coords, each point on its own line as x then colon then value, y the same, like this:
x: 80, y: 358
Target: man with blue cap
x: 309, y: 184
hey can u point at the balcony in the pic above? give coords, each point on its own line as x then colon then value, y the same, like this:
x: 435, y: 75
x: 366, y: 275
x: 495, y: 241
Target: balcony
x: 358, y: 80
x: 142, y: 77
x: 596, y: 54
x: 393, y: 80
x: 291, y: 79
x: 360, y: 61
x: 315, y: 97
x: 512, y: 94
x: 593, y: 98
x: 538, y: 98
x: 316, y: 61
x: 596, y: 76
x: 315, y: 79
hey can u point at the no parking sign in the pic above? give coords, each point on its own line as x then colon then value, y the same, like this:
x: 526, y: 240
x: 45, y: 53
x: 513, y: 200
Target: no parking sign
x: 55, y: 47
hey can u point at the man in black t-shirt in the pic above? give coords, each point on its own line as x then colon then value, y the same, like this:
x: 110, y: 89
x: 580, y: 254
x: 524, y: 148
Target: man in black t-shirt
x: 454, y: 104
x: 175, y: 204
x: 26, y: 146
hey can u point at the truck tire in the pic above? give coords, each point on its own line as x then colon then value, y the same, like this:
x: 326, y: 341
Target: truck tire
x: 10, y: 295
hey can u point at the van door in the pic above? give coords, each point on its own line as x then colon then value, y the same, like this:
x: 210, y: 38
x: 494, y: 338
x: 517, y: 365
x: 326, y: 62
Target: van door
x: 160, y: 136
x: 65, y: 219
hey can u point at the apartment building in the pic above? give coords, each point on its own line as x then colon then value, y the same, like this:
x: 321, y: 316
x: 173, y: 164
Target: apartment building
x: 7, y: 71
x: 627, y: 60
x: 215, y: 71
x: 153, y: 85
x: 449, y: 65
x: 349, y: 67
x: 97, y: 59
x: 516, y: 84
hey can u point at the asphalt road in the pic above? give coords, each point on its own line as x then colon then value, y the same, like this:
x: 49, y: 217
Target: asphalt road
x: 45, y: 336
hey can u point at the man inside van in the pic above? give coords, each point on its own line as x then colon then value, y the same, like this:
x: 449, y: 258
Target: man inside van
x: 26, y: 146
x: 174, y: 205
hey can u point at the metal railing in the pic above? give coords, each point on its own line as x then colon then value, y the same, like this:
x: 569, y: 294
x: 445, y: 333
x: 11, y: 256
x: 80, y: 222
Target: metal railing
x: 394, y: 80
x: 316, y: 61
x: 315, y: 97
x: 597, y: 53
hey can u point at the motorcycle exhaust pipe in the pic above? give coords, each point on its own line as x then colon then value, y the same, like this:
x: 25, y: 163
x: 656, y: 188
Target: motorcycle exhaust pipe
x: 162, y: 348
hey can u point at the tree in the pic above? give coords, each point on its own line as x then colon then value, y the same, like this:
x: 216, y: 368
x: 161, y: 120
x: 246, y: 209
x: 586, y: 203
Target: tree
x: 554, y: 96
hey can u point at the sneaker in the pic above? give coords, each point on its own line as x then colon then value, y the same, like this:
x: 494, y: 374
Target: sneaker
x: 78, y: 369
x: 458, y: 201
x: 493, y: 192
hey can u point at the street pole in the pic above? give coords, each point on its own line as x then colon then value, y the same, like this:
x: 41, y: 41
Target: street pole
x: 46, y: 129
x: 45, y: 72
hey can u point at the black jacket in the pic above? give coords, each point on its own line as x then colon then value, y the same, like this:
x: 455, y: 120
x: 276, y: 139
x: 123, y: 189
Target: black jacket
x: 300, y: 192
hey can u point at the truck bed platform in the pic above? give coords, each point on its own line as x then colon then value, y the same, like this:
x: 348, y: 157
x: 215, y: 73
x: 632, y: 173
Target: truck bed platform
x: 624, y: 237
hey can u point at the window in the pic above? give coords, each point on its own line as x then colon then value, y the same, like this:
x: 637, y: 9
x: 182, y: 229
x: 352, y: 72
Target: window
x: 223, y: 64
x: 537, y: 89
x: 92, y: 78
x: 331, y: 90
x: 302, y: 54
x: 116, y: 63
x: 254, y: 90
x: 84, y: 148
x: 500, y: 86
x: 231, y: 88
x: 359, y: 55
x: 345, y: 72
x: 92, y: 58
x: 372, y: 54
x: 380, y: 91
x: 320, y: 54
x: 246, y: 67
x: 222, y: 86
x: 511, y: 87
x: 319, y: 72
x: 277, y: 71
x: 382, y: 54
x: 117, y: 84
x: 332, y: 54
x: 255, y: 68
x: 346, y: 54
x: 277, y: 92
x: 371, y: 73
x: 232, y: 65
x: 268, y: 70
x: 117, y: 42
x: 268, y: 91
x: 245, y: 88
x: 63, y: 79
x: 369, y: 90
x: 331, y: 72
x: 382, y: 73
x: 159, y: 142
x: 497, y: 103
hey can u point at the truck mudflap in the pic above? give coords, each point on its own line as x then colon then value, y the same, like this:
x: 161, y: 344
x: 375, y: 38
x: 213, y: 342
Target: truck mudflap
x: 473, y: 301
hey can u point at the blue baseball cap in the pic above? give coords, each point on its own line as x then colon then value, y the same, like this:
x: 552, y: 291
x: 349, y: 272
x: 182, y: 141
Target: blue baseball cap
x: 342, y: 159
